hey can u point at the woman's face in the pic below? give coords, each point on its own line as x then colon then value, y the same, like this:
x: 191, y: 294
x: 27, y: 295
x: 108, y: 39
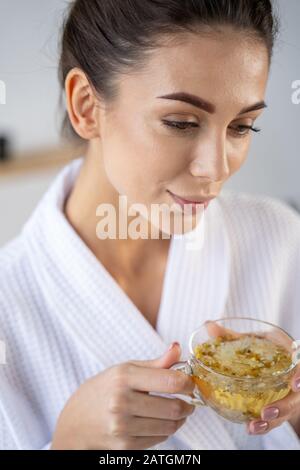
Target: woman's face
x: 144, y: 157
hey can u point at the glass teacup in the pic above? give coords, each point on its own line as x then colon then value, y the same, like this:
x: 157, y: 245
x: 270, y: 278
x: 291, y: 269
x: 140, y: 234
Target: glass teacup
x: 239, y: 365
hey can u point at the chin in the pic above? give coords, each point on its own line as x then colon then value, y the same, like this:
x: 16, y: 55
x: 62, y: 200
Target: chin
x: 179, y: 224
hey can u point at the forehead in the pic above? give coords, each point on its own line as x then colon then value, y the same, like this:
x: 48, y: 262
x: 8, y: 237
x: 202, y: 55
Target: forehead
x: 225, y: 67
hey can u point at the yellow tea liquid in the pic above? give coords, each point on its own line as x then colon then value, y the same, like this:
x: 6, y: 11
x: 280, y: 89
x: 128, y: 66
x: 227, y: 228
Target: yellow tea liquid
x: 257, y: 361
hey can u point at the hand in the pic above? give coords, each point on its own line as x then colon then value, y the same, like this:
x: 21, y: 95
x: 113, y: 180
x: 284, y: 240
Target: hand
x: 286, y: 409
x: 113, y: 410
x: 274, y: 414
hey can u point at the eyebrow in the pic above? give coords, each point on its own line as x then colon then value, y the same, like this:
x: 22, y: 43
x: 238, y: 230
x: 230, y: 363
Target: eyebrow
x: 205, y: 105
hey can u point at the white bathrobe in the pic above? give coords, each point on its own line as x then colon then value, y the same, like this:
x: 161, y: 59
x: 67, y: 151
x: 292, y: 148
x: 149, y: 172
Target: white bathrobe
x: 64, y: 318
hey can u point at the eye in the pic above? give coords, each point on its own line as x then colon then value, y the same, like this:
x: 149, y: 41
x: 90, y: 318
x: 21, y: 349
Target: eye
x: 243, y: 130
x: 180, y: 126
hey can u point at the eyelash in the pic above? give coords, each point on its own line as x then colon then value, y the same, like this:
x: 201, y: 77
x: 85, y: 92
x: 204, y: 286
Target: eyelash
x: 187, y: 126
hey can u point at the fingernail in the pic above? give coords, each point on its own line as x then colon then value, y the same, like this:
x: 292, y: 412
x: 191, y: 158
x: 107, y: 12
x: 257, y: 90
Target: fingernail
x: 258, y: 427
x: 297, y: 384
x: 270, y: 413
x: 173, y: 345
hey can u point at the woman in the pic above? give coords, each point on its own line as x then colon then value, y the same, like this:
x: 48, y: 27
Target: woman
x: 166, y: 95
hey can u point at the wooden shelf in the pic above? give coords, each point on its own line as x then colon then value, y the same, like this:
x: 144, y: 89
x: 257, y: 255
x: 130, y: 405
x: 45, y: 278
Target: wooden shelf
x: 41, y: 160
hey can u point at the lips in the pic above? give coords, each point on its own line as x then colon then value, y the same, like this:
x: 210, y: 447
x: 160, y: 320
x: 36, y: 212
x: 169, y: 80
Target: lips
x: 194, y: 202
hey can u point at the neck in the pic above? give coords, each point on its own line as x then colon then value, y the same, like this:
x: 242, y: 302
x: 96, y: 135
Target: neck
x: 91, y: 189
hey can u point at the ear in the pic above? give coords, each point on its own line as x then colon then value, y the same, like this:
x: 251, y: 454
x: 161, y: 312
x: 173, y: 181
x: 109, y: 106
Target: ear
x: 82, y: 105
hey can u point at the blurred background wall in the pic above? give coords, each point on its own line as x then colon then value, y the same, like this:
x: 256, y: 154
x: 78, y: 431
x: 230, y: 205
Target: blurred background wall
x: 30, y: 118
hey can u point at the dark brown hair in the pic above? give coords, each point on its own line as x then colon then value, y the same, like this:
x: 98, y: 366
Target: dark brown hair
x: 107, y: 37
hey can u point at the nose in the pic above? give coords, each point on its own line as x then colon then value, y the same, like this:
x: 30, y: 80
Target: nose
x: 211, y: 159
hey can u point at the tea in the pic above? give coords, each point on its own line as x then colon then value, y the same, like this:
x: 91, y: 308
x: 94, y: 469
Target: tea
x: 247, y: 378
x: 247, y: 356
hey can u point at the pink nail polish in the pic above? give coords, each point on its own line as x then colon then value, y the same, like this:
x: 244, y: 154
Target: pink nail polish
x: 270, y: 413
x: 297, y: 384
x: 258, y: 427
x: 173, y: 345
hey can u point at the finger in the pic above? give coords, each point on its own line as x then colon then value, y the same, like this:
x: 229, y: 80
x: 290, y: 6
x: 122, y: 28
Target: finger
x: 282, y: 409
x: 214, y: 330
x: 146, y: 427
x: 159, y: 380
x: 165, y: 361
x: 262, y: 427
x: 144, y: 405
x: 274, y: 415
x: 296, y: 380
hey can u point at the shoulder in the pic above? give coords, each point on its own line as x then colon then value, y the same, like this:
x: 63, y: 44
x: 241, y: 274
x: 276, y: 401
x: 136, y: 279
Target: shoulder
x: 260, y: 218
x: 13, y: 261
x: 15, y: 284
x: 254, y: 206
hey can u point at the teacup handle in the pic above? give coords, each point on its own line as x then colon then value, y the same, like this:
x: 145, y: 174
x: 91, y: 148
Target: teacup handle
x: 196, y: 400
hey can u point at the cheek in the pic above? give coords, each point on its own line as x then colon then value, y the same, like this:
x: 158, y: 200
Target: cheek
x: 237, y: 156
x: 139, y: 163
